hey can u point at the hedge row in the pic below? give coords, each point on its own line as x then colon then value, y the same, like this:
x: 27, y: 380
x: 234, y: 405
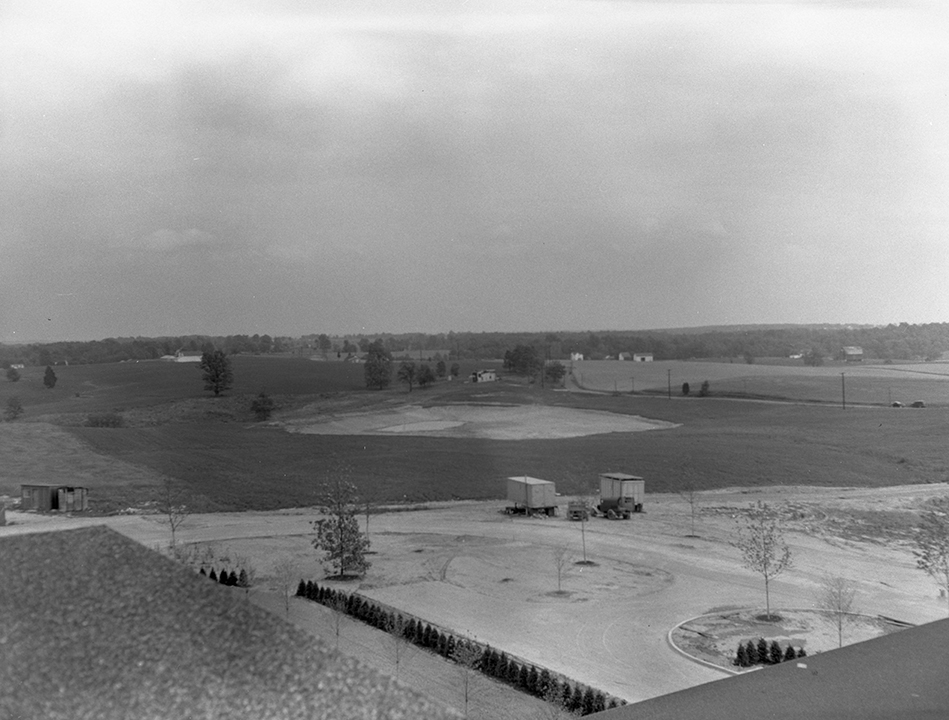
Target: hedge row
x: 541, y: 683
x: 762, y: 653
x: 233, y: 578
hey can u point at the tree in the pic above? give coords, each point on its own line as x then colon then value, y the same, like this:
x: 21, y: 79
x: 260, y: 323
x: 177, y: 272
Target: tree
x: 690, y: 494
x: 13, y: 375
x: 262, y: 406
x: 762, y: 547
x: 406, y: 374
x: 397, y: 629
x: 814, y: 357
x: 14, y: 409
x: 704, y: 390
x: 344, y: 546
x: 425, y: 376
x: 932, y: 543
x: 378, y: 368
x: 523, y: 360
x: 285, y: 573
x: 49, y: 378
x: 325, y: 343
x: 466, y: 655
x: 216, y: 371
x: 836, y: 597
x: 440, y: 369
x: 555, y: 372
x: 172, y: 506
x: 455, y: 369
x: 685, y: 388
x: 561, y: 562
x: 337, y: 603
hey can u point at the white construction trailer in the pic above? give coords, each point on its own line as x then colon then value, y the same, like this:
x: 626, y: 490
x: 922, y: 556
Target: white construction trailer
x: 531, y: 496
x: 621, y: 495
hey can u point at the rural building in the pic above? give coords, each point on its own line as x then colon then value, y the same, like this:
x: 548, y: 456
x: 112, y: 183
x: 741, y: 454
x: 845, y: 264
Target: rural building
x: 184, y: 356
x: 18, y: 366
x: 852, y: 353
x: 576, y: 357
x: 484, y: 376
x: 624, y: 356
x: 96, y: 625
x: 642, y: 357
x: 58, y: 498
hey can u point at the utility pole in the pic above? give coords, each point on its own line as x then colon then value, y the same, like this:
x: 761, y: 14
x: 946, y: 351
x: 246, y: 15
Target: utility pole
x: 669, y: 377
x: 843, y: 392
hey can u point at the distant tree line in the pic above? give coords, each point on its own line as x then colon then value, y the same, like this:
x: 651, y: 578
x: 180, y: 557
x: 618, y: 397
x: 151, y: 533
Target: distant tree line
x: 540, y: 682
x: 814, y: 342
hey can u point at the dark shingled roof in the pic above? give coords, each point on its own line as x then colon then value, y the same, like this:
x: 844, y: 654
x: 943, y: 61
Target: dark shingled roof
x: 901, y: 676
x: 94, y: 625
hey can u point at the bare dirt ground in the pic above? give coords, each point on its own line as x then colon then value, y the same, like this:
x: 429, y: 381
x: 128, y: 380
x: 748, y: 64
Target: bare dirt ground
x: 468, y: 567
x: 492, y: 421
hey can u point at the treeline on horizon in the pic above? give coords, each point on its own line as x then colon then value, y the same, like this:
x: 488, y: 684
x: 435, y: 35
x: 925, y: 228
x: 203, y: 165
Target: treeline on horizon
x: 891, y: 342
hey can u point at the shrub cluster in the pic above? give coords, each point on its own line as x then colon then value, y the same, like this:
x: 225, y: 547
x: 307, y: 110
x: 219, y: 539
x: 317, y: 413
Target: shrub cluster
x: 541, y: 683
x: 230, y: 578
x: 764, y: 653
x: 106, y: 420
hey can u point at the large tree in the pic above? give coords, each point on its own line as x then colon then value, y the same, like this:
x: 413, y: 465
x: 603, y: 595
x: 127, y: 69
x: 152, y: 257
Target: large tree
x: 338, y: 536
x: 932, y: 543
x: 425, y: 376
x: 523, y: 360
x: 406, y: 374
x: 216, y: 370
x: 13, y: 375
x: 49, y: 378
x: 762, y: 546
x: 14, y: 409
x: 378, y: 370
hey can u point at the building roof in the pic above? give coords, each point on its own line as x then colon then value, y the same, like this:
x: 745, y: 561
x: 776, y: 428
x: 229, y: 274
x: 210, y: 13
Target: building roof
x: 902, y: 675
x: 527, y: 480
x: 619, y: 476
x: 94, y: 625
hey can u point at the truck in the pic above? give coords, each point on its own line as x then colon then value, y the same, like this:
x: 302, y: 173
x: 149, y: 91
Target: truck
x: 531, y: 496
x: 620, y: 495
x: 578, y: 510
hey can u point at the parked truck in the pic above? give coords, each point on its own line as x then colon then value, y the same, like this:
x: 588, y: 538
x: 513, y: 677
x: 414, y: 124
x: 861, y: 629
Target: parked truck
x: 531, y: 496
x: 620, y: 495
x: 578, y: 510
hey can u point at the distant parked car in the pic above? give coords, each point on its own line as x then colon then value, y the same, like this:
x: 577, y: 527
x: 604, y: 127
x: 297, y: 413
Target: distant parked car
x: 897, y: 404
x: 918, y: 403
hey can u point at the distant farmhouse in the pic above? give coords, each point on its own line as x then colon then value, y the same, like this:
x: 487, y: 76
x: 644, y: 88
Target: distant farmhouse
x: 576, y: 357
x: 642, y: 357
x: 184, y: 356
x: 853, y: 353
x: 484, y: 376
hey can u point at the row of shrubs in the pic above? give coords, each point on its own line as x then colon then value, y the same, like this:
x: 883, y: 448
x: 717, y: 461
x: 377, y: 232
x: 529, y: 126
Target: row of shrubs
x: 232, y: 579
x: 575, y: 698
x: 762, y: 653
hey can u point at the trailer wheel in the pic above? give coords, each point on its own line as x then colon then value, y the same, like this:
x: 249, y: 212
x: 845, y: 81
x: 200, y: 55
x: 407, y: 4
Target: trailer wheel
x: 611, y: 515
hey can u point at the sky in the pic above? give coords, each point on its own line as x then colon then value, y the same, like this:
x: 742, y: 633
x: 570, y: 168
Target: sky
x: 303, y: 166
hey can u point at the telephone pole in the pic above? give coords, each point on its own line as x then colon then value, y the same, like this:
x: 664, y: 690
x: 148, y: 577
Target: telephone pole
x: 843, y: 392
x: 669, y: 378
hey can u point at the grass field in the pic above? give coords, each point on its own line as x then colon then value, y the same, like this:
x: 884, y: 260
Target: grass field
x: 863, y: 383
x: 226, y: 461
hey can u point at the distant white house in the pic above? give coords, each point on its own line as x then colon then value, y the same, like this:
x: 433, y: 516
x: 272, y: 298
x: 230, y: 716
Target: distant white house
x: 184, y: 356
x: 576, y: 357
x: 642, y: 357
x: 484, y: 376
x: 18, y: 366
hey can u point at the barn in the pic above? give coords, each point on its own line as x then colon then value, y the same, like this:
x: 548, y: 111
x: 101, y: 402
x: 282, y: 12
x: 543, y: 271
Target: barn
x: 58, y: 498
x: 642, y: 357
x: 484, y: 376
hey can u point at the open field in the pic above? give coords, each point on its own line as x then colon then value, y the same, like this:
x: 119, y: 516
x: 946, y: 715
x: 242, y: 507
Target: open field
x: 464, y: 438
x: 864, y: 383
x: 467, y: 567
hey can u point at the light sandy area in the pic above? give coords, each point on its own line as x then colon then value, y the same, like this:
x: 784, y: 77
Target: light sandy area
x: 467, y: 567
x: 495, y: 422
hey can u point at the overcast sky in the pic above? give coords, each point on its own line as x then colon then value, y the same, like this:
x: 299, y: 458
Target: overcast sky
x: 299, y: 166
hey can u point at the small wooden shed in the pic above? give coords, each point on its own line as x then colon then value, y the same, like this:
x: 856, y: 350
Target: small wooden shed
x: 57, y: 498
